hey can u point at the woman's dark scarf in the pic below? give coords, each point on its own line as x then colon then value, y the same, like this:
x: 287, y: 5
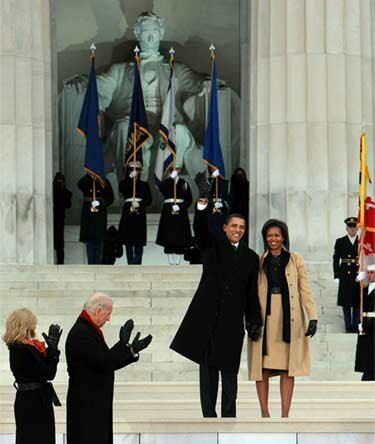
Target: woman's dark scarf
x: 284, y: 259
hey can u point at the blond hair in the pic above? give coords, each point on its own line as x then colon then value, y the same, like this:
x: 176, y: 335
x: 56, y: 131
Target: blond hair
x: 20, y: 324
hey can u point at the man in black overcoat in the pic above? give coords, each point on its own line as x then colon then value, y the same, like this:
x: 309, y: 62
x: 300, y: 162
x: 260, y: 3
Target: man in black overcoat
x: 365, y: 352
x: 94, y: 216
x: 174, y: 233
x: 226, y: 300
x: 91, y: 367
x: 345, y: 268
x: 62, y: 199
x: 133, y: 225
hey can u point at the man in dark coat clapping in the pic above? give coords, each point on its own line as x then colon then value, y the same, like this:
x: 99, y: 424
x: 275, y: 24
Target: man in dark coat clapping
x: 212, y: 330
x: 91, y: 367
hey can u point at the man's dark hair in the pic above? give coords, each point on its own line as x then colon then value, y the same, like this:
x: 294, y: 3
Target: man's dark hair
x: 231, y: 216
x: 279, y: 224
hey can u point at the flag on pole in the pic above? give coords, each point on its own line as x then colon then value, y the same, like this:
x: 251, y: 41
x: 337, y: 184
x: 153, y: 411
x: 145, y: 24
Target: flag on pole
x: 366, y: 214
x: 212, y: 150
x: 138, y: 133
x: 89, y: 127
x: 166, y: 154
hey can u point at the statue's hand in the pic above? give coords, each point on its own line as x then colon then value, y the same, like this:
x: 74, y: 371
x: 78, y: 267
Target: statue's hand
x: 75, y: 85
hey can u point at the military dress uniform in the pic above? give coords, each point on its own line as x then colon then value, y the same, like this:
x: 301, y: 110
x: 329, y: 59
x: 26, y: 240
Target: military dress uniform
x: 345, y: 268
x: 94, y: 223
x: 365, y: 359
x: 133, y: 225
x: 174, y: 233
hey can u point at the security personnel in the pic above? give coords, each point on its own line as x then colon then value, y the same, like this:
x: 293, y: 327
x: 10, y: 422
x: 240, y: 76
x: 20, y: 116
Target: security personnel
x: 345, y: 268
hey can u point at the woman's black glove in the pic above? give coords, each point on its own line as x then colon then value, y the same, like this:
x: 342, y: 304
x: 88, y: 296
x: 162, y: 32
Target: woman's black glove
x: 311, y: 329
x: 53, y: 338
x: 140, y: 344
x: 253, y: 332
x: 126, y: 331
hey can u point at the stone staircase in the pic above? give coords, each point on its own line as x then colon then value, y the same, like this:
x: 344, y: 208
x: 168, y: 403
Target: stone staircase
x: 156, y: 297
x: 159, y: 394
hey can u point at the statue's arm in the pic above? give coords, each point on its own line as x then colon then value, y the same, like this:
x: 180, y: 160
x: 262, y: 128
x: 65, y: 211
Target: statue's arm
x: 106, y: 84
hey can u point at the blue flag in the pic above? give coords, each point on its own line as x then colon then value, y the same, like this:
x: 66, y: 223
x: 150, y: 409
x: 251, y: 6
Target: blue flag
x: 89, y: 127
x: 138, y: 133
x: 212, y: 150
x: 166, y: 154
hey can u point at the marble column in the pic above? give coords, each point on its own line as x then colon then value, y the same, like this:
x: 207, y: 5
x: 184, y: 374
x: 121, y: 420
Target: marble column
x: 310, y: 95
x: 25, y: 128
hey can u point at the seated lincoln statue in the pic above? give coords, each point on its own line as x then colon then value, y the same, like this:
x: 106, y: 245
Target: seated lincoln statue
x: 115, y: 87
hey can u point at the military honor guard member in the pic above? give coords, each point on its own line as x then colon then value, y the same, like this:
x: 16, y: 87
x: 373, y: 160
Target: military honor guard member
x: 94, y: 216
x: 174, y: 233
x: 345, y: 268
x: 133, y: 225
x: 365, y: 356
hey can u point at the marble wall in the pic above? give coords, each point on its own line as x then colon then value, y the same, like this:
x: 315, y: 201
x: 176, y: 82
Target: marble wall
x: 26, y: 133
x: 311, y: 95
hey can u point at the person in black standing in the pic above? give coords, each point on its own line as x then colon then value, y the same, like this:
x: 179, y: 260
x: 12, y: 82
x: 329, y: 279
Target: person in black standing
x: 62, y: 199
x: 212, y: 330
x: 133, y: 224
x: 33, y: 365
x: 345, y: 268
x: 174, y: 233
x: 94, y: 216
x: 365, y: 352
x: 239, y: 195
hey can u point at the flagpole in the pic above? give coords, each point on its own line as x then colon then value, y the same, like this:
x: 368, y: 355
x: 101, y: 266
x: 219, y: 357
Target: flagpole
x: 171, y: 65
x: 362, y: 197
x: 213, y: 56
x: 93, y: 209
x: 136, y: 52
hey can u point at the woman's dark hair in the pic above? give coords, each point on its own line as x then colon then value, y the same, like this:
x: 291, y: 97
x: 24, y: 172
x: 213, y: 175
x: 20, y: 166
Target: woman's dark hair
x: 279, y: 224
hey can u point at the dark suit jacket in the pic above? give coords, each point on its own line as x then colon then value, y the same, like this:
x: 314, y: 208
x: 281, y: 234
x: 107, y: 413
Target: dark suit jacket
x: 212, y: 330
x: 91, y: 366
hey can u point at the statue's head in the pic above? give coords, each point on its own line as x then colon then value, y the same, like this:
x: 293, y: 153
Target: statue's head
x: 149, y: 30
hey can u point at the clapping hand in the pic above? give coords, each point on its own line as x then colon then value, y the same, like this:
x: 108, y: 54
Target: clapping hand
x: 53, y: 338
x: 140, y: 344
x: 126, y: 331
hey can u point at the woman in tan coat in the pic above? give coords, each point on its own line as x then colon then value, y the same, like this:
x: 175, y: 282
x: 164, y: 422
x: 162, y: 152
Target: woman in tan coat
x: 285, y: 299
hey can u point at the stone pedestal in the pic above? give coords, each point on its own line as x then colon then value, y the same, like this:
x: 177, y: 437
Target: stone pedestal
x: 311, y: 95
x: 25, y: 129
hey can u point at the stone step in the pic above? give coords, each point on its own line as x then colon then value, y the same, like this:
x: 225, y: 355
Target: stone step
x: 152, y: 391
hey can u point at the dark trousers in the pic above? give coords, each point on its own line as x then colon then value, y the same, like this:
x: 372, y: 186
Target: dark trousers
x: 368, y: 376
x: 209, y: 384
x: 351, y: 317
x: 134, y: 253
x: 60, y: 256
x: 94, y: 250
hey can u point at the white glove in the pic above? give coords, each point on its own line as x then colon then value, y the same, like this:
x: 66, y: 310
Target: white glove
x: 174, y: 174
x: 337, y: 281
x: 135, y: 204
x: 361, y: 276
x: 201, y: 206
x: 215, y: 173
x: 175, y: 208
x: 133, y: 174
x: 95, y: 203
x: 218, y: 205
